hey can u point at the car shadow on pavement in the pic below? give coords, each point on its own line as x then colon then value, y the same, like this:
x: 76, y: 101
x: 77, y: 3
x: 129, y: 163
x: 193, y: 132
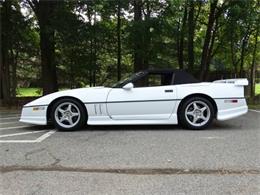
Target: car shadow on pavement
x: 215, y: 126
x: 39, y: 127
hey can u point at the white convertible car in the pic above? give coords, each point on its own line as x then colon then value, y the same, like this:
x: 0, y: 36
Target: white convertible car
x: 146, y: 98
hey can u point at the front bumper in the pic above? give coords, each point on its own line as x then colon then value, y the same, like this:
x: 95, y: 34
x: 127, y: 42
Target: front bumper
x: 34, y: 115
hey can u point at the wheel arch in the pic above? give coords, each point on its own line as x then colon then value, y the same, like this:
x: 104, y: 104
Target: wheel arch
x: 49, y: 108
x: 212, y: 101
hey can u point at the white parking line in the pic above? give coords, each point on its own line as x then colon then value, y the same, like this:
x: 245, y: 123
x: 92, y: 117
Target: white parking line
x: 258, y: 111
x: 17, y: 127
x: 6, y: 123
x: 24, y: 133
x: 44, y: 136
x: 38, y: 140
x: 12, y: 111
x: 12, y: 117
x: 9, y: 115
x: 18, y: 141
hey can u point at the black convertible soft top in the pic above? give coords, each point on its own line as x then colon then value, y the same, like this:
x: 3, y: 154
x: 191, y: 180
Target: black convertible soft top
x: 179, y: 76
x: 173, y: 77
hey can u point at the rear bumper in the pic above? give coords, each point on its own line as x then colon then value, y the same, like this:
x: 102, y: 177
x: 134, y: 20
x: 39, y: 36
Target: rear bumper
x: 231, y: 110
x: 34, y: 115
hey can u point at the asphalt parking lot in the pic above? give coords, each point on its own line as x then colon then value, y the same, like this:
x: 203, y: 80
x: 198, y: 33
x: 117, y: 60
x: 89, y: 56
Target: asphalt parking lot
x: 223, y: 159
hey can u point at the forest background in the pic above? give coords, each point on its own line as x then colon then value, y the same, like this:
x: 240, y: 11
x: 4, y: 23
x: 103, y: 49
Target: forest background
x: 54, y: 45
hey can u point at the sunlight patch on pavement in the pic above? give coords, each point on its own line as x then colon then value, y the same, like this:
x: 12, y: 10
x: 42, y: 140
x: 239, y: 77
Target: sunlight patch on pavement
x: 209, y: 137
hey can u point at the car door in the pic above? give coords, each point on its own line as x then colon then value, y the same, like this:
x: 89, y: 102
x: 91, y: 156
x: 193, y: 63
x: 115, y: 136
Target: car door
x: 149, y: 99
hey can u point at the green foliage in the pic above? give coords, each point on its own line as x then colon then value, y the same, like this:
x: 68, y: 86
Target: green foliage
x: 28, y: 92
x: 257, y: 89
x: 86, y: 39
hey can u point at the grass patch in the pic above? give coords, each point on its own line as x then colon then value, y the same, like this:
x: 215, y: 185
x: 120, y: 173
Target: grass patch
x: 28, y: 92
x: 255, y: 107
x: 257, y: 89
x: 31, y: 92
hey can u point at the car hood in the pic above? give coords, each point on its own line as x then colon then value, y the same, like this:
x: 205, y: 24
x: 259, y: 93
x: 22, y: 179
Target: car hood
x: 86, y: 95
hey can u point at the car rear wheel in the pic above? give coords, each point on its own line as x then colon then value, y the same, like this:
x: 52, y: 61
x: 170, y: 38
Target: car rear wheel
x: 196, y: 113
x: 68, y: 114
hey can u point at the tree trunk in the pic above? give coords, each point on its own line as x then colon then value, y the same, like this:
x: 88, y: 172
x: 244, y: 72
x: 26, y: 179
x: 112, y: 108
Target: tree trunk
x: 233, y: 57
x: 242, y: 55
x: 210, y: 53
x: 90, y: 78
x: 241, y: 69
x: 13, y: 81
x: 207, y: 40
x: 191, y: 29
x: 5, y: 47
x: 147, y: 35
x: 182, y: 35
x: 44, y: 11
x: 138, y: 36
x: 253, y: 67
x: 118, y: 40
x: 95, y: 49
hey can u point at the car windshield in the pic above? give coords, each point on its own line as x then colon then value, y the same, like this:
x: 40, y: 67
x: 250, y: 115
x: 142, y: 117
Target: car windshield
x: 126, y: 80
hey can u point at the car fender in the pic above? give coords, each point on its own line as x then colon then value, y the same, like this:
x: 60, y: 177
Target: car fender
x: 86, y: 95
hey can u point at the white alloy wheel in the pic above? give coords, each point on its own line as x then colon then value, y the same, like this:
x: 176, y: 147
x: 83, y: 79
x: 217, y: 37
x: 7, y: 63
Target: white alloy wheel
x: 67, y: 115
x: 197, y: 113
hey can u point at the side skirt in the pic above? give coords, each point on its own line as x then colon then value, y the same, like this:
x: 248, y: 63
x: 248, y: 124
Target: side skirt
x: 105, y: 120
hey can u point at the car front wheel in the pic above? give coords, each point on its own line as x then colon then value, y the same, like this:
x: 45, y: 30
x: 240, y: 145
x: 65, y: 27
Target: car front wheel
x: 196, y: 113
x: 68, y: 114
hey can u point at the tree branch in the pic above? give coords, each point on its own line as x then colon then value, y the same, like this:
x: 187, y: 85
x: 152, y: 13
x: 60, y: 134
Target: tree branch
x: 198, y: 13
x: 34, y: 4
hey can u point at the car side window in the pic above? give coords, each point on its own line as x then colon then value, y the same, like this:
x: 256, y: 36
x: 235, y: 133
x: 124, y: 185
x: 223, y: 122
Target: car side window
x: 154, y: 79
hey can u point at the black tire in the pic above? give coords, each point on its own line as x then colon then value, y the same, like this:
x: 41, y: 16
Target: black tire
x: 186, y: 121
x: 81, y: 120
